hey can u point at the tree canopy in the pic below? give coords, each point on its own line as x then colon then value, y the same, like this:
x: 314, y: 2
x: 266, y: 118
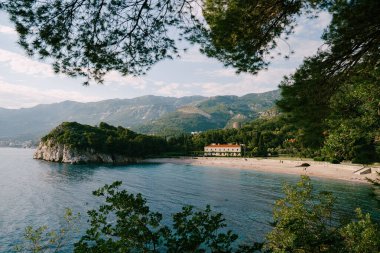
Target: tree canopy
x: 334, y: 96
x: 242, y: 34
x: 89, y: 38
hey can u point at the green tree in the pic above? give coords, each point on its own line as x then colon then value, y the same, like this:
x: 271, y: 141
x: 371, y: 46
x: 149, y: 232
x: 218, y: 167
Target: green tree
x: 335, y: 93
x: 124, y: 223
x: 302, y: 221
x: 303, y: 224
x: 89, y: 38
x: 361, y: 235
x: 354, y: 121
x: 242, y: 34
x: 305, y: 100
x: 197, y: 232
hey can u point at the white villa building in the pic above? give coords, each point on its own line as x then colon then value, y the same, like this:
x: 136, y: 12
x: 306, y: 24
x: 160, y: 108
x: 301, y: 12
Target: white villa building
x: 222, y: 150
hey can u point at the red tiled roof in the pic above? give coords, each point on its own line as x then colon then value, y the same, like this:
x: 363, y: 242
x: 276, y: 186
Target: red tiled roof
x: 223, y: 146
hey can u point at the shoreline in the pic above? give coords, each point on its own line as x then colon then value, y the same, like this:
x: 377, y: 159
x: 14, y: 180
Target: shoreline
x: 316, y: 169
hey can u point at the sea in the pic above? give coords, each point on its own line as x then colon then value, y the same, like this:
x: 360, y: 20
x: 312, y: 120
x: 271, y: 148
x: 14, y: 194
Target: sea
x: 36, y: 193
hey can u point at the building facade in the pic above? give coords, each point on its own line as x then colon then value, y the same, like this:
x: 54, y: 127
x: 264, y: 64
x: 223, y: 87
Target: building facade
x: 222, y: 150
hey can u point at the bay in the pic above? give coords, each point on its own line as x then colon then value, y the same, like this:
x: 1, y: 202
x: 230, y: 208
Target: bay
x: 34, y: 192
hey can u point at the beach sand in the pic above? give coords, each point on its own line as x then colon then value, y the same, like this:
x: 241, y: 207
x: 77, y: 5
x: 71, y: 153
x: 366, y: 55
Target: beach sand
x: 345, y: 171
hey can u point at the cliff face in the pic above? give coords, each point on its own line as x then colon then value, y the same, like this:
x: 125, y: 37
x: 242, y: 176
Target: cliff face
x: 55, y: 152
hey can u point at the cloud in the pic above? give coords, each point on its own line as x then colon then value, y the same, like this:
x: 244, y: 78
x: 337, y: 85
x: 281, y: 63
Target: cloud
x: 174, y: 90
x: 240, y: 85
x: 17, y: 96
x: 305, y: 41
x: 224, y: 73
x: 312, y: 26
x: 131, y: 81
x: 323, y: 20
x: 7, y: 30
x: 22, y: 64
x: 193, y: 55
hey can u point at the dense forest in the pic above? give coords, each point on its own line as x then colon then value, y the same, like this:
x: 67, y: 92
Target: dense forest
x: 279, y: 136
x: 270, y: 136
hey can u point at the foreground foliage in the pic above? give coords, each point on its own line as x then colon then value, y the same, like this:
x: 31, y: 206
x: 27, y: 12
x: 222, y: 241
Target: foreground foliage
x: 126, y: 224
x: 303, y: 223
x: 42, y: 239
x: 302, y: 220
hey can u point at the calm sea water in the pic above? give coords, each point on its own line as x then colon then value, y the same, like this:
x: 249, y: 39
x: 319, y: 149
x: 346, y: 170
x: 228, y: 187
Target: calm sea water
x: 36, y: 193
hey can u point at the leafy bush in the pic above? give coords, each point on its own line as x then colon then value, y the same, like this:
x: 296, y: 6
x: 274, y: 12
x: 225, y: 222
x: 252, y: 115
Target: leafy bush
x: 124, y: 223
x: 319, y: 159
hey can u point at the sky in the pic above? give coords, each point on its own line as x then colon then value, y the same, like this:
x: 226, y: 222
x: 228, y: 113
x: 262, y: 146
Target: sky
x: 26, y: 82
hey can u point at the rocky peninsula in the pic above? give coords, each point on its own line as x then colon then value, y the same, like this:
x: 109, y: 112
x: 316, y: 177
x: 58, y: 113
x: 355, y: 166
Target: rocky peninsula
x: 75, y: 143
x: 56, y: 152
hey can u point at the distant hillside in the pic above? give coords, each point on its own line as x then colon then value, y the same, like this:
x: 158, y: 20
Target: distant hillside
x: 147, y: 114
x: 215, y: 112
x: 33, y: 123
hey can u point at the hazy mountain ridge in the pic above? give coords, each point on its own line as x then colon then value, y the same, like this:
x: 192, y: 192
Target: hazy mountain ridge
x: 215, y: 112
x: 32, y: 123
x: 137, y: 113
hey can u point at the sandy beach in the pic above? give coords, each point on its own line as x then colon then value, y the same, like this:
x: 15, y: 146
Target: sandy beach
x: 316, y: 169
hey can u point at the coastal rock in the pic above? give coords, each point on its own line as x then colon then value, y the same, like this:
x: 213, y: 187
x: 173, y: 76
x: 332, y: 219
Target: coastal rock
x: 56, y: 152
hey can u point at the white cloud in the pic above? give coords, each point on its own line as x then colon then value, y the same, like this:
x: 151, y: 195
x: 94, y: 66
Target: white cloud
x: 229, y: 73
x: 312, y: 26
x: 16, y: 96
x: 131, y: 81
x: 7, y: 30
x: 193, y: 55
x: 22, y: 64
x: 269, y: 78
x: 323, y: 20
x: 241, y: 85
x: 305, y: 41
x: 173, y: 90
x: 304, y: 48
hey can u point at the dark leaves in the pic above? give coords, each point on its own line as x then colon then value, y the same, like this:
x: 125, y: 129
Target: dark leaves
x: 89, y: 38
x: 124, y: 223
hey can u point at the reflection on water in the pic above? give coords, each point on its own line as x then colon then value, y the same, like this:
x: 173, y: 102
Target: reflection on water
x: 36, y: 193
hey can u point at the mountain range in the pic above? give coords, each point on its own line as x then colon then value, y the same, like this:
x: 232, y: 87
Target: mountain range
x: 146, y: 114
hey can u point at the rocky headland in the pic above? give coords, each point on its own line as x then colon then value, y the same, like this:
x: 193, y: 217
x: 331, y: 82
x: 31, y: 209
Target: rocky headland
x: 74, y: 143
x: 63, y: 153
